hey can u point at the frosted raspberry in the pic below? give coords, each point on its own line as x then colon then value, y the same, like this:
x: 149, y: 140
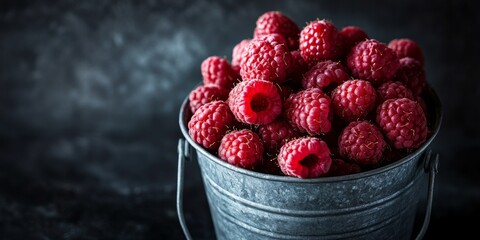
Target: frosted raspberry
x: 353, y: 100
x: 372, y: 60
x: 309, y: 111
x: 403, y: 122
x: 266, y: 60
x: 255, y: 102
x: 319, y: 41
x: 210, y: 123
x: 242, y: 148
x: 204, y: 94
x: 276, y: 22
x: 392, y: 90
x: 238, y: 51
x: 275, y: 134
x: 217, y: 70
x: 412, y: 74
x: 405, y: 47
x: 362, y: 143
x: 306, y: 157
x: 324, y: 74
x: 341, y: 168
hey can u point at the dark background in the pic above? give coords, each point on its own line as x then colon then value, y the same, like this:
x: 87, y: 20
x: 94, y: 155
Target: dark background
x: 90, y: 93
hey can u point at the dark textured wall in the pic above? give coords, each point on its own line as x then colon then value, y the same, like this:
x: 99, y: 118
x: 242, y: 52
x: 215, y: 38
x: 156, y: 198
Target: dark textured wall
x: 90, y: 93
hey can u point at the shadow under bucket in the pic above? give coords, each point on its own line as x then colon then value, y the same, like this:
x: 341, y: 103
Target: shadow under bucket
x: 376, y: 204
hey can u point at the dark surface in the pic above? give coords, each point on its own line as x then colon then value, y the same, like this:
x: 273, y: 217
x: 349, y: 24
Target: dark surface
x: 90, y: 93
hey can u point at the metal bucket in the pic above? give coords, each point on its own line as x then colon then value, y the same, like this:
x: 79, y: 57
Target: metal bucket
x: 376, y: 204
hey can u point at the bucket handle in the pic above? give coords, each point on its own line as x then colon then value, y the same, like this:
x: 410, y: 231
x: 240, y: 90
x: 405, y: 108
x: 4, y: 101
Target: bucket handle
x: 184, y: 154
x: 431, y: 167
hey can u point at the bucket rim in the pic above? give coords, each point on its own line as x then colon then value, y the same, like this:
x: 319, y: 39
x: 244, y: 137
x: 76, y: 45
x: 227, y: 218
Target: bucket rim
x: 437, y: 114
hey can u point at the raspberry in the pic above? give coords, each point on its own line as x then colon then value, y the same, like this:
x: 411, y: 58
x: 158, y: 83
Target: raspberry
x: 284, y: 91
x: 372, y: 60
x: 405, y: 47
x: 391, y: 155
x: 412, y: 74
x: 306, y: 157
x: 255, y: 102
x: 210, y: 123
x: 238, y: 51
x: 217, y: 70
x: 309, y: 111
x: 270, y: 165
x: 319, y: 41
x: 266, y: 60
x: 241, y: 148
x: 340, y: 168
x: 204, y: 94
x: 422, y: 103
x: 403, y: 122
x: 323, y: 74
x: 273, y: 38
x: 392, y: 90
x: 350, y: 36
x: 276, y: 22
x: 353, y: 100
x: 362, y: 142
x: 275, y: 134
x: 297, y: 68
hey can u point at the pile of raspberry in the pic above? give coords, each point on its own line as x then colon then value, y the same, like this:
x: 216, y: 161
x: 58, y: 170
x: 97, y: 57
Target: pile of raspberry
x: 311, y: 102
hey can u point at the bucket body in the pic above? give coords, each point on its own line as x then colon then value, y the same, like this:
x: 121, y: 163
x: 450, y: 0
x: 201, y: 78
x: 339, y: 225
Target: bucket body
x: 376, y: 204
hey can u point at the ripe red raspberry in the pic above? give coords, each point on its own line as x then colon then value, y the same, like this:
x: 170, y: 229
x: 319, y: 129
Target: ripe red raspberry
x: 297, y: 68
x: 210, y: 123
x: 353, y: 100
x: 217, y: 70
x: 284, y: 91
x: 392, y: 90
x: 306, y: 157
x: 403, y: 122
x: 275, y: 134
x: 255, y: 102
x: 405, y: 47
x: 341, y: 168
x: 276, y: 22
x: 242, y: 148
x: 204, y: 94
x: 319, y: 41
x: 309, y: 111
x: 391, y: 155
x: 238, y: 51
x: 372, y: 60
x: 350, y: 36
x: 273, y: 38
x: 412, y: 74
x: 323, y: 74
x: 362, y: 143
x: 422, y: 103
x: 270, y: 165
x: 266, y: 60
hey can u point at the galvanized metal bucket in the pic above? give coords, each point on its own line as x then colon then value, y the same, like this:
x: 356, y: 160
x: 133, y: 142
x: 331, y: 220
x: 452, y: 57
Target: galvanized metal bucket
x: 376, y: 204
